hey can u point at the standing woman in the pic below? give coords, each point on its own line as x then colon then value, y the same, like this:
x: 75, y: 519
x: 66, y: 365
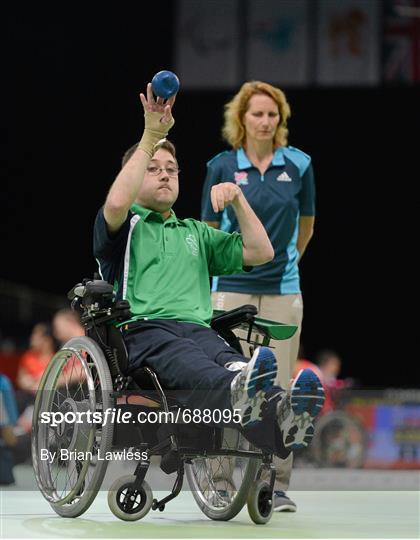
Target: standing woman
x: 278, y: 182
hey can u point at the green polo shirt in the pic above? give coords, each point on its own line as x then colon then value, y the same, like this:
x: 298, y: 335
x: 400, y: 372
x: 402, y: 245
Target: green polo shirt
x: 162, y: 267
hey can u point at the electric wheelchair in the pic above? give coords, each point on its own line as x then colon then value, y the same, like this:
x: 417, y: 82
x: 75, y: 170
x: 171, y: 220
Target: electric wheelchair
x: 89, y: 374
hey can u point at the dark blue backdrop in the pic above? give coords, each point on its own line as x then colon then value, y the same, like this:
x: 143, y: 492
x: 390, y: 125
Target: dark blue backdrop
x: 71, y: 109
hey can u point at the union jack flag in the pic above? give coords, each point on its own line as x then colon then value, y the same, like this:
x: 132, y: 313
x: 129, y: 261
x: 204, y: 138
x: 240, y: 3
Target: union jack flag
x: 402, y: 41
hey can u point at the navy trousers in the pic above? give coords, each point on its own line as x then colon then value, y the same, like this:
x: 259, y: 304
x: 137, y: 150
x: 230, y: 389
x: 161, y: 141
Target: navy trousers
x: 190, y: 359
x: 186, y: 357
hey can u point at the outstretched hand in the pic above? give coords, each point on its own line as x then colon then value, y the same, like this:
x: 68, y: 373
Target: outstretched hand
x: 158, y: 105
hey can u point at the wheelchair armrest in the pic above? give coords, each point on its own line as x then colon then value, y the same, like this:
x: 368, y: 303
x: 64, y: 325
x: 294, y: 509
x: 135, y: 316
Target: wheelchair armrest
x: 246, y: 318
x: 227, y: 320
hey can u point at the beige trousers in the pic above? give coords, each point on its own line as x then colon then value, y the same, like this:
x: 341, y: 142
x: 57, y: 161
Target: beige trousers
x: 287, y: 309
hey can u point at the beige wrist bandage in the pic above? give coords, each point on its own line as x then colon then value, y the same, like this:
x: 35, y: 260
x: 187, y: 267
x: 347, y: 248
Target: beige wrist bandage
x: 154, y: 131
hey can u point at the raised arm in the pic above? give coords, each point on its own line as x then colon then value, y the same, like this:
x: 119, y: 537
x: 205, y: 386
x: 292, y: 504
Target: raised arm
x: 257, y: 248
x: 158, y: 121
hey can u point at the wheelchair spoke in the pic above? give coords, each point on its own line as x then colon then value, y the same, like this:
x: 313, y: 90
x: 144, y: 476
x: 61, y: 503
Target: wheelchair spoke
x: 218, y: 478
x: 60, y: 394
x: 76, y: 382
x: 221, y: 484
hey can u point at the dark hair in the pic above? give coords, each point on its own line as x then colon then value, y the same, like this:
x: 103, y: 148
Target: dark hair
x: 47, y: 331
x: 163, y: 143
x: 323, y: 356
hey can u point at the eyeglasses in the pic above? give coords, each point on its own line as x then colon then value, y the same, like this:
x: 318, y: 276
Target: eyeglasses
x: 171, y: 171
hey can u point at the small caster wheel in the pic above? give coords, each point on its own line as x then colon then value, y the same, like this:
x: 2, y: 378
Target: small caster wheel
x: 260, y: 503
x: 129, y: 503
x: 157, y: 506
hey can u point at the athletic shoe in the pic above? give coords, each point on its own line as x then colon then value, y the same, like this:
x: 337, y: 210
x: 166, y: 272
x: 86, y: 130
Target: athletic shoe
x: 250, y: 385
x: 282, y: 503
x: 235, y: 366
x: 298, y: 409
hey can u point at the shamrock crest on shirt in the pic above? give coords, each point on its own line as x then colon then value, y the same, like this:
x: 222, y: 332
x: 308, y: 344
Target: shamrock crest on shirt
x: 192, y: 244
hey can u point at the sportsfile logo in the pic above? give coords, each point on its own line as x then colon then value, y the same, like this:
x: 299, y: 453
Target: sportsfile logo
x: 284, y: 177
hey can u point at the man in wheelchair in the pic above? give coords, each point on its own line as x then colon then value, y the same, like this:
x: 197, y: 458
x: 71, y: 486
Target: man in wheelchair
x: 160, y: 266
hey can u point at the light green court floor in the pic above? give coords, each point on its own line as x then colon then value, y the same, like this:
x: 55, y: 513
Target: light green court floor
x: 327, y: 513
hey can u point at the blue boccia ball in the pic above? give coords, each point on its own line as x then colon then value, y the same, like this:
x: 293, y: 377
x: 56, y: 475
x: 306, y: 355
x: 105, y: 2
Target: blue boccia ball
x: 165, y: 84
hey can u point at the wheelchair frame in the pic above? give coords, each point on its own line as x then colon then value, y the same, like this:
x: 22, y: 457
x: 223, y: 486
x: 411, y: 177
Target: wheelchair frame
x: 103, y: 349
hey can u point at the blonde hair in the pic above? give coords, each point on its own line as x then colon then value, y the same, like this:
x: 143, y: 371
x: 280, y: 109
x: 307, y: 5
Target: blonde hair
x: 234, y: 130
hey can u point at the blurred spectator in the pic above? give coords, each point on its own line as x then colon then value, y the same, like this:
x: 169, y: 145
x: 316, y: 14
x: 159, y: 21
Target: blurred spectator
x: 42, y: 347
x: 66, y: 325
x: 32, y: 364
x: 8, y: 418
x: 329, y: 363
x: 9, y: 359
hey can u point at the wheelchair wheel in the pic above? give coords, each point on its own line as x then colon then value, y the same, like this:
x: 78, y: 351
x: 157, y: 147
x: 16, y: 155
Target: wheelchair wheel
x: 128, y: 503
x: 339, y: 441
x: 220, y: 485
x: 260, y: 503
x: 65, y: 455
